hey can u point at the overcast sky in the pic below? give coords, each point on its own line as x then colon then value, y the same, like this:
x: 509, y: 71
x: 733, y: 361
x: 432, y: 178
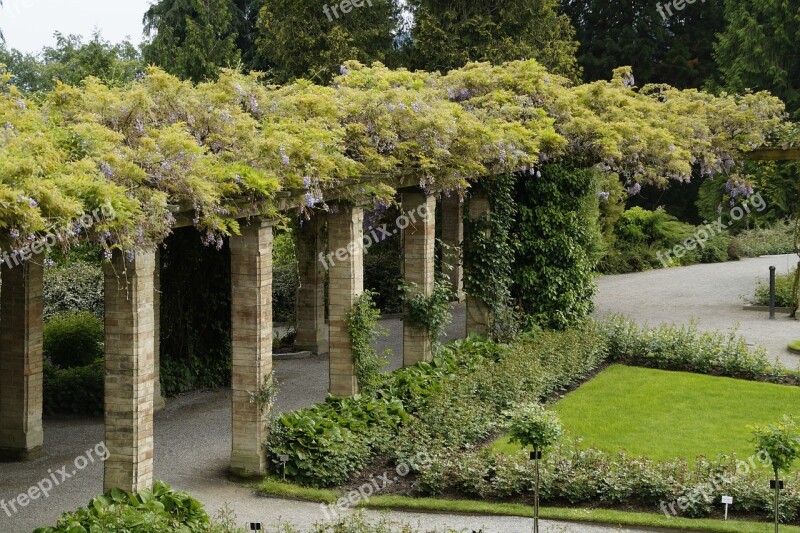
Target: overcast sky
x: 28, y: 25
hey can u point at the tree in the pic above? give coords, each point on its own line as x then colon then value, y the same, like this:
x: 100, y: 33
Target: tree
x: 72, y: 60
x: 758, y: 49
x: 304, y: 39
x: 661, y: 48
x: 781, y: 442
x: 449, y: 34
x: 193, y: 39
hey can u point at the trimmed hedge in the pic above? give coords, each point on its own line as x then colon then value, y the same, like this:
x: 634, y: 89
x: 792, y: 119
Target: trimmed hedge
x: 77, y: 391
x: 73, y: 339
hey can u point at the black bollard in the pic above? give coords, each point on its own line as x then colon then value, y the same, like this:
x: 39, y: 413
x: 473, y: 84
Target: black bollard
x: 772, y: 293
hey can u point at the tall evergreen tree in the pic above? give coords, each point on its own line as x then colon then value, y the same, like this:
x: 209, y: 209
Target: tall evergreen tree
x: 312, y: 38
x: 662, y: 44
x: 448, y: 34
x: 758, y: 49
x: 193, y: 39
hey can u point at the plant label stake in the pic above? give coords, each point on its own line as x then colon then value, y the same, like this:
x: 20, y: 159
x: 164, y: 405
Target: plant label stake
x: 255, y: 526
x: 284, y: 459
x: 727, y: 500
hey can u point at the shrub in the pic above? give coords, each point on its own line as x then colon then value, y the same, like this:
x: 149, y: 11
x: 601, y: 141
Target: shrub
x: 784, y: 284
x: 161, y: 510
x: 75, y: 286
x: 73, y: 339
x: 779, y: 239
x: 77, y: 390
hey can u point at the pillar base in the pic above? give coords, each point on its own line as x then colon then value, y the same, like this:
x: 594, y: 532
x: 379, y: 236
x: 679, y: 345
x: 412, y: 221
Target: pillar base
x: 11, y: 455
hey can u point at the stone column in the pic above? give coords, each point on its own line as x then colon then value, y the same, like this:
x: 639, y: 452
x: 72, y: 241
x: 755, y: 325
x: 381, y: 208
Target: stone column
x: 130, y: 371
x: 311, y: 334
x: 160, y: 403
x: 452, y: 237
x: 478, y: 313
x: 21, y: 307
x: 251, y: 334
x: 419, y: 239
x: 345, y: 262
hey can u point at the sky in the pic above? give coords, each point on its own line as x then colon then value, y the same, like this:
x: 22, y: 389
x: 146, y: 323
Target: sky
x: 28, y: 25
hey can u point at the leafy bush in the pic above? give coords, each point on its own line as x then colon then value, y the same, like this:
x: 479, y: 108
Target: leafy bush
x: 161, y: 510
x: 73, y: 286
x: 778, y: 239
x: 73, y: 339
x: 641, y: 234
x: 329, y: 442
x: 431, y: 313
x: 783, y: 291
x: 77, y: 390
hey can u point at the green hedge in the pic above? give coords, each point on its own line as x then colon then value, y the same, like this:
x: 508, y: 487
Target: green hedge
x: 73, y: 339
x: 77, y: 390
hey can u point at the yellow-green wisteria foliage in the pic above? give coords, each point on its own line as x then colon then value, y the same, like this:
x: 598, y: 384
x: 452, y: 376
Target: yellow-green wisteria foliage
x: 236, y: 143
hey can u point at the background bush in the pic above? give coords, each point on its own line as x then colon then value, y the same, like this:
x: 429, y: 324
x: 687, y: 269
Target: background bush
x: 73, y: 339
x: 76, y: 391
x: 73, y: 286
x: 778, y: 239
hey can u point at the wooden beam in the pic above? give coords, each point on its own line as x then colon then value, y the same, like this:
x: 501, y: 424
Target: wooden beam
x: 773, y: 154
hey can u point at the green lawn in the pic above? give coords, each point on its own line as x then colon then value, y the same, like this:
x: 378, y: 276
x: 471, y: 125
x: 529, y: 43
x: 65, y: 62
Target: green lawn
x: 663, y: 415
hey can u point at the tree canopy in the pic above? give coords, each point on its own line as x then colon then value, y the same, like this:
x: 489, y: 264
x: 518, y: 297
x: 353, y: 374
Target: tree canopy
x: 229, y: 147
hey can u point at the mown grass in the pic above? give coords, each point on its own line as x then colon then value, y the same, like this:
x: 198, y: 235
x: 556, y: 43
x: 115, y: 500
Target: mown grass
x: 665, y: 415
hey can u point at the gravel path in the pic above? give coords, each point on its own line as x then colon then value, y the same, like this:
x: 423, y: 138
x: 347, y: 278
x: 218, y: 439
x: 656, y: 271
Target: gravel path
x: 193, y: 433
x: 711, y: 295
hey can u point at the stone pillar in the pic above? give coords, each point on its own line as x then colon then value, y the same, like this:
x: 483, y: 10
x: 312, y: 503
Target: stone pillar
x: 345, y: 262
x: 452, y: 237
x: 419, y: 239
x: 251, y: 334
x: 478, y: 313
x: 130, y: 371
x: 311, y: 334
x: 159, y: 402
x: 21, y: 307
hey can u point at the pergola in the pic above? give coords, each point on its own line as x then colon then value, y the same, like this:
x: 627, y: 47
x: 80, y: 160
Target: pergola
x: 132, y: 294
x: 442, y: 132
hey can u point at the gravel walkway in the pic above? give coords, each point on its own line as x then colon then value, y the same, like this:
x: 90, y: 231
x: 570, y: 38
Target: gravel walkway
x: 193, y: 433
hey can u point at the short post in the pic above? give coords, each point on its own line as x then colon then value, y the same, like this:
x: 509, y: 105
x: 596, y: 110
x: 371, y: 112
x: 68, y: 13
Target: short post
x: 536, y: 455
x: 772, y: 293
x: 776, y: 484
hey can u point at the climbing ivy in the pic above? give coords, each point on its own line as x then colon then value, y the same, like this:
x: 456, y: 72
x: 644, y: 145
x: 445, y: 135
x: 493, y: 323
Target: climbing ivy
x: 362, y: 326
x: 431, y: 313
x: 556, y: 234
x: 489, y: 256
